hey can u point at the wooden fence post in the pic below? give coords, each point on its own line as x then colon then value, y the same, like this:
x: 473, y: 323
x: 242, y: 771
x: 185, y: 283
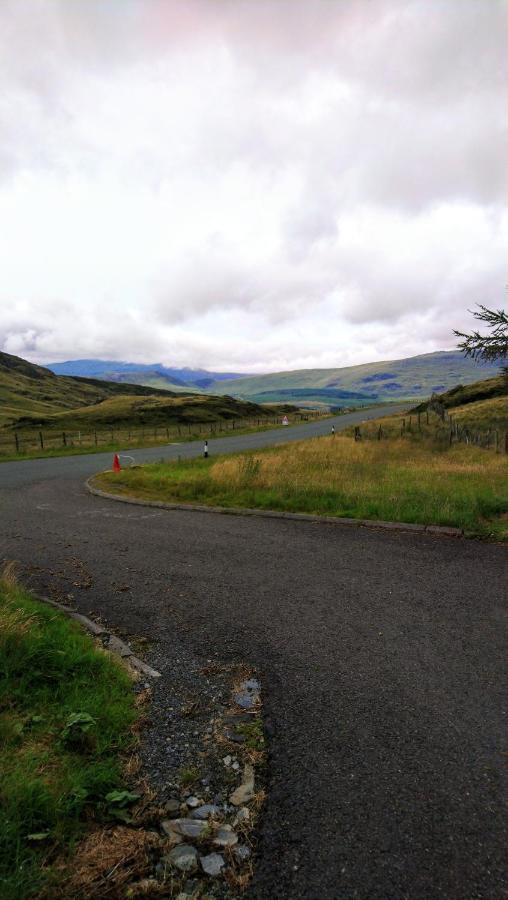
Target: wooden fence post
x: 16, y: 441
x: 64, y: 439
x: 95, y: 437
x: 41, y: 441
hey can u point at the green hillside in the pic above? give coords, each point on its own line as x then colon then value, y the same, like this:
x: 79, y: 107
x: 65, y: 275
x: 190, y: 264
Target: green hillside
x: 483, y: 404
x: 461, y: 394
x: 33, y: 397
x: 412, y: 378
x: 35, y: 392
x: 133, y: 411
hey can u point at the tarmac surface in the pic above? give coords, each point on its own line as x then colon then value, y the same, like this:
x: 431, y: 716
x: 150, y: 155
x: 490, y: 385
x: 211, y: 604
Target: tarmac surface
x: 383, y: 659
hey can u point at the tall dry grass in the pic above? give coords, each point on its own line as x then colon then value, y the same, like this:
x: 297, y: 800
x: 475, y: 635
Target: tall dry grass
x: 398, y: 479
x: 336, y: 463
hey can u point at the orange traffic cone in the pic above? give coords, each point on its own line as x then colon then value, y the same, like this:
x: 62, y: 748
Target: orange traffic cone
x: 116, y: 463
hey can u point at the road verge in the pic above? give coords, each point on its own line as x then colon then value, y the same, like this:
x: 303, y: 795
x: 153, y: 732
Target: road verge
x: 441, y: 530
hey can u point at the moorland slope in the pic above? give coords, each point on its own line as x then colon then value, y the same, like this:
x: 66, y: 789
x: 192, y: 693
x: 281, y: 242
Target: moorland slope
x: 411, y: 378
x: 32, y: 396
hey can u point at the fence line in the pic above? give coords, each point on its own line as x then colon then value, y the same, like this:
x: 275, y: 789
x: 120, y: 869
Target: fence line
x: 20, y: 442
x: 490, y: 438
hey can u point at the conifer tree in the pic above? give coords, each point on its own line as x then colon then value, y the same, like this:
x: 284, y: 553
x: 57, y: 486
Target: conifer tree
x: 491, y: 346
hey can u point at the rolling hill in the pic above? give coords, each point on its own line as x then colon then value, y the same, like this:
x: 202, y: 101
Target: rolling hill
x: 401, y: 379
x: 35, y: 392
x: 412, y: 378
x: 32, y: 396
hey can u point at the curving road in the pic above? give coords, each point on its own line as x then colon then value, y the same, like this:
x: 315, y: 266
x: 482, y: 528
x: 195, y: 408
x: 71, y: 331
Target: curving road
x: 383, y: 657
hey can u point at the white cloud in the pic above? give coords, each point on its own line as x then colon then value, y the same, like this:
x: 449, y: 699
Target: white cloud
x: 249, y: 185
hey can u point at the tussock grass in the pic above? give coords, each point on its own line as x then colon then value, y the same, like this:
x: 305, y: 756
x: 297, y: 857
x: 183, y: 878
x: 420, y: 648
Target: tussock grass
x: 418, y: 480
x: 483, y: 414
x: 66, y: 716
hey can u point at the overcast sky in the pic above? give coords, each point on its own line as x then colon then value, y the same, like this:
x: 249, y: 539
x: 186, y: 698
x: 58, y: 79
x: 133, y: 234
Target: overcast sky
x: 250, y: 185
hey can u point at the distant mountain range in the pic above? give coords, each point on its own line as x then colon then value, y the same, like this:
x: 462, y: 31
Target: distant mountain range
x: 413, y: 378
x: 152, y: 375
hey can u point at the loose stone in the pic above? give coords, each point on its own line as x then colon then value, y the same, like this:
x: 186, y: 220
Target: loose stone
x: 246, y: 700
x: 212, y: 864
x: 242, y: 816
x: 225, y: 837
x: 242, y: 853
x: 208, y: 809
x: 227, y: 760
x: 245, y: 791
x: 191, y: 828
x: 172, y: 806
x: 167, y: 827
x: 192, y: 802
x: 184, y: 857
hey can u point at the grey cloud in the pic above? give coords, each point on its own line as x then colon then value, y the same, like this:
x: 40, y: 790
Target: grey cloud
x: 344, y: 121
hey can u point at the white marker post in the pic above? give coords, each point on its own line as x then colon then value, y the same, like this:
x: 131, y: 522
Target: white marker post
x: 205, y: 450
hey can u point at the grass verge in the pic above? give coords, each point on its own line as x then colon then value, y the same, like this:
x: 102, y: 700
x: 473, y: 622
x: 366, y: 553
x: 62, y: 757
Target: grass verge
x: 409, y: 480
x: 67, y: 713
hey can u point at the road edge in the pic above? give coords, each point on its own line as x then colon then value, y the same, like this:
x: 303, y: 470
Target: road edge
x: 440, y: 530
x: 109, y: 640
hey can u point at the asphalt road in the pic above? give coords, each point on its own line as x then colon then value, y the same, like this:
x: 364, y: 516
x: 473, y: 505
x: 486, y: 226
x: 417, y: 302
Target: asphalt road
x: 25, y: 471
x: 383, y: 659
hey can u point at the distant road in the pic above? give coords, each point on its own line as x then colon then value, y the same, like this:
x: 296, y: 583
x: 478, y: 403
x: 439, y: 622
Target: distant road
x: 31, y: 470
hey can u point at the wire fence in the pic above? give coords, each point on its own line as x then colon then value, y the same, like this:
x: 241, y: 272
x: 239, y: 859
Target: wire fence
x: 20, y: 443
x: 445, y: 427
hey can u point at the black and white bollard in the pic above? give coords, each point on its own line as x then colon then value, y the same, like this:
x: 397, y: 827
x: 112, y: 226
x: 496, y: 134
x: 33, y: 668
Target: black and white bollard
x: 205, y: 450
x: 333, y: 430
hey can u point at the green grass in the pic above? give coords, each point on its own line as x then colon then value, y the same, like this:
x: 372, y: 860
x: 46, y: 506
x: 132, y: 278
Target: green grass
x: 66, y: 717
x: 413, y: 479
